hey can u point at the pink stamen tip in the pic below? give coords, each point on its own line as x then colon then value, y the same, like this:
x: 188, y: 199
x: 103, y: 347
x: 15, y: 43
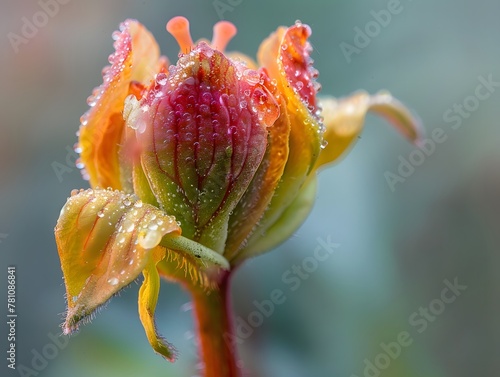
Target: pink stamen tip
x: 224, y: 31
x: 179, y: 28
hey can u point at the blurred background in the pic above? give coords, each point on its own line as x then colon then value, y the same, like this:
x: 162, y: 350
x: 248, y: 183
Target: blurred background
x: 401, y: 243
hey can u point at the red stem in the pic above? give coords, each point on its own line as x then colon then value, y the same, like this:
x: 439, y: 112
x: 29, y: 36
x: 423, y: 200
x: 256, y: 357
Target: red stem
x: 215, y: 328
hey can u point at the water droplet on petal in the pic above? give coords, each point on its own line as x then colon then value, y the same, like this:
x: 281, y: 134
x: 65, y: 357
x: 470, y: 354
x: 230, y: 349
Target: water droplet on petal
x: 251, y: 76
x: 150, y: 240
x: 161, y: 78
x: 113, y: 281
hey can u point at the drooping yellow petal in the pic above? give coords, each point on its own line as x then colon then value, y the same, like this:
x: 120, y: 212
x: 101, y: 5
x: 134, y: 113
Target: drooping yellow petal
x: 136, y: 59
x: 344, y: 120
x: 148, y: 298
x: 105, y: 239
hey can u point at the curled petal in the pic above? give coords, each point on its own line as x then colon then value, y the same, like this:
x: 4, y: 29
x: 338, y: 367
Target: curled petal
x: 136, y: 59
x: 105, y: 239
x: 344, y: 120
x: 203, y: 133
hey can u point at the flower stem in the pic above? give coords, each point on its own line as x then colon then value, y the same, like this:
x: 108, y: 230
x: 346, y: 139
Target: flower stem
x: 215, y: 328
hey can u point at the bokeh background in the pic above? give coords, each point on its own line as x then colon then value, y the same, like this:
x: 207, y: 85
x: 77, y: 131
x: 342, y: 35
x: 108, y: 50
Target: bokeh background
x: 397, y: 247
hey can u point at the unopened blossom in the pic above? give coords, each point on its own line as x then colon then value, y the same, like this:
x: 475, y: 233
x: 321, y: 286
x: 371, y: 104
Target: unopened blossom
x: 199, y: 165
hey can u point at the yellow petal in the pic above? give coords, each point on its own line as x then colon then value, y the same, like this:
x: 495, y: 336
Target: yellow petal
x: 104, y: 239
x: 148, y: 298
x: 245, y: 59
x: 136, y: 59
x: 344, y: 120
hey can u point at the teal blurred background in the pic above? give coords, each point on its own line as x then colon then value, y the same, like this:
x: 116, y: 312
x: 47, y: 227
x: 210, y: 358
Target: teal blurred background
x: 397, y: 246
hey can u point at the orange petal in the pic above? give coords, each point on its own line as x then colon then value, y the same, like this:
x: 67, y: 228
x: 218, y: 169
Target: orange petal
x: 285, y: 55
x: 136, y: 58
x: 105, y: 239
x: 344, y: 120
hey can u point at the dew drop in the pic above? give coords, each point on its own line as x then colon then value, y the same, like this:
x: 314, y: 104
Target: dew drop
x: 141, y: 126
x: 113, y: 281
x: 161, y: 78
x: 151, y: 239
x: 251, y: 76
